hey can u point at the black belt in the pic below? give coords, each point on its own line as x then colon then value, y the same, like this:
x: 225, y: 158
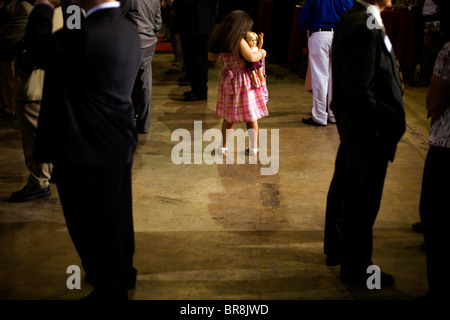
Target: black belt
x: 320, y: 30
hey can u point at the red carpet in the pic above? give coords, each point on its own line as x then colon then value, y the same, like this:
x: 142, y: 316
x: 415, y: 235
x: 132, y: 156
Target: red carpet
x: 163, y: 46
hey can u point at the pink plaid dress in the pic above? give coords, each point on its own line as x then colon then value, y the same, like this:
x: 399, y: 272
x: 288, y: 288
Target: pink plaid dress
x: 237, y: 100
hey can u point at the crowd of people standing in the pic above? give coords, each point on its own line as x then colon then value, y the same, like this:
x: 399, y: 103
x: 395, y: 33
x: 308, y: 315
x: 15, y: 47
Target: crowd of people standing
x: 96, y: 97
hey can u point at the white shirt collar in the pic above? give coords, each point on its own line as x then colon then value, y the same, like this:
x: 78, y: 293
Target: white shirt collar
x: 374, y: 10
x: 106, y: 5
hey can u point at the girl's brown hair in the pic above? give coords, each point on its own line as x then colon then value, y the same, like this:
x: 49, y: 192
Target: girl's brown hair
x: 233, y: 28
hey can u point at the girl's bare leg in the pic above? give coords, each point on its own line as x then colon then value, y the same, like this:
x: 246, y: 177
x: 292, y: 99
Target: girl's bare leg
x: 226, y: 132
x: 253, y: 136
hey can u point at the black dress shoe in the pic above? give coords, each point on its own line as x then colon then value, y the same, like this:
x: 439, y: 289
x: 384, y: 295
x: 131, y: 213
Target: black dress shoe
x: 417, y: 227
x: 131, y: 283
x: 311, y: 122
x: 386, y: 278
x: 419, y: 84
x: 194, y: 97
x: 27, y: 194
x: 187, y: 93
x: 172, y: 71
x: 333, y: 261
x: 423, y: 247
x: 7, y: 115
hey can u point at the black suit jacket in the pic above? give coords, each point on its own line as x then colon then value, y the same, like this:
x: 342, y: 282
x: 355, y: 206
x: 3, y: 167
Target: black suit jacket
x: 86, y: 115
x: 195, y: 17
x: 367, y: 95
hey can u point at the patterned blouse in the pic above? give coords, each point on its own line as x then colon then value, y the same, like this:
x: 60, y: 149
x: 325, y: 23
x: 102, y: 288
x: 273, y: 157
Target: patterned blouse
x: 440, y: 129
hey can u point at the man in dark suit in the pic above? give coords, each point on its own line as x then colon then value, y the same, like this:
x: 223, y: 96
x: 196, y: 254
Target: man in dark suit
x: 368, y: 105
x: 194, y: 21
x: 146, y: 16
x: 86, y: 129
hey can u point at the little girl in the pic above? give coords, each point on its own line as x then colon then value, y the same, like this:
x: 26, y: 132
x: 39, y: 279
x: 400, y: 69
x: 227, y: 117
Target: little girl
x: 237, y: 101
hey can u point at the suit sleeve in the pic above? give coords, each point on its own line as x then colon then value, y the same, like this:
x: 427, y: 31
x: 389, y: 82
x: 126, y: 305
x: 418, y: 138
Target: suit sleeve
x: 38, y: 35
x: 358, y: 61
x: 158, y: 21
x: 125, y: 6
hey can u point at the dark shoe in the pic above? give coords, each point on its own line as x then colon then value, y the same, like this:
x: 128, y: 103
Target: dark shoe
x: 417, y: 227
x: 194, y: 97
x: 141, y: 129
x: 386, y: 279
x: 310, y: 121
x: 425, y: 297
x: 172, y: 71
x: 131, y: 283
x: 187, y: 93
x: 419, y: 84
x: 7, y: 115
x: 333, y: 261
x: 27, y: 193
x: 423, y: 247
x: 361, y: 280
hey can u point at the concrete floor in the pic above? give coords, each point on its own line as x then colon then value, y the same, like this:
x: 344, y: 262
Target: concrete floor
x: 224, y: 232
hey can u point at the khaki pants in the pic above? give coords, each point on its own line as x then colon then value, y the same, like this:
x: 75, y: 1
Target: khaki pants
x: 28, y: 114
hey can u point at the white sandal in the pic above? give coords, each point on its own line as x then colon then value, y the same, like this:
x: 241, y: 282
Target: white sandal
x: 222, y: 150
x: 252, y: 151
